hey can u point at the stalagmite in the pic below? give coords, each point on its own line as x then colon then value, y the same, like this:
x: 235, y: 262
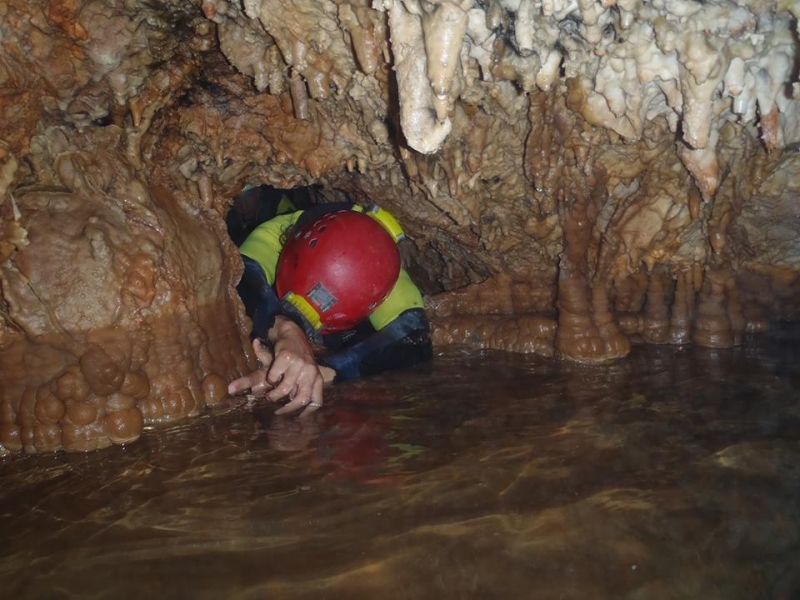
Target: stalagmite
x: 575, y: 333
x: 615, y: 344
x: 680, y: 325
x: 655, y: 328
x: 712, y: 325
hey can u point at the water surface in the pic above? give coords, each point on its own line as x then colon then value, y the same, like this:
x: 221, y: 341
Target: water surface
x: 674, y: 473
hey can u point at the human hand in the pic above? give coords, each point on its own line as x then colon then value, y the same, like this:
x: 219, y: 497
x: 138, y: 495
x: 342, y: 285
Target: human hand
x: 294, y: 372
x: 291, y: 371
x: 255, y: 382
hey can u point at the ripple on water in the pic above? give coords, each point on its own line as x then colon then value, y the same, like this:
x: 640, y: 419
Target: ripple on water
x: 674, y: 473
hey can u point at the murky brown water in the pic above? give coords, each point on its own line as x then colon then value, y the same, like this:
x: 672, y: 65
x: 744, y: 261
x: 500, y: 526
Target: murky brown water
x: 673, y: 474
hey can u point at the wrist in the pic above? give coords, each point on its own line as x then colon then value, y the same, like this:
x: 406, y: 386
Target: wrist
x: 283, y: 327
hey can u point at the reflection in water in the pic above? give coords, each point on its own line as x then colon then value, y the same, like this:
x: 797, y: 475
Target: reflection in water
x: 672, y: 474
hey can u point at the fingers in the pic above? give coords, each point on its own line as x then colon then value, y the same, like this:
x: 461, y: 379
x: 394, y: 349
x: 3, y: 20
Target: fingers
x: 297, y: 404
x: 288, y: 375
x: 263, y: 354
x: 316, y: 399
x: 263, y: 386
x: 299, y: 393
x: 255, y: 381
x: 303, y: 386
x: 240, y: 385
x: 285, y: 375
x: 306, y: 390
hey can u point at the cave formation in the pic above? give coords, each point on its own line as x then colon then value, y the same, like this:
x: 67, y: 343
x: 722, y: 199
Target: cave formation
x: 576, y: 176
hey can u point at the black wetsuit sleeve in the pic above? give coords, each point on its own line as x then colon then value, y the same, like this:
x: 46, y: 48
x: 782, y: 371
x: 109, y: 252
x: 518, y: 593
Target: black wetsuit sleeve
x: 402, y: 343
x: 260, y: 300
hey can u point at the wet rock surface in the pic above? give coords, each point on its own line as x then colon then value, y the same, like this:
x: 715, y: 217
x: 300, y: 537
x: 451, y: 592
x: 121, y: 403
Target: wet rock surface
x: 122, y: 315
x: 673, y: 473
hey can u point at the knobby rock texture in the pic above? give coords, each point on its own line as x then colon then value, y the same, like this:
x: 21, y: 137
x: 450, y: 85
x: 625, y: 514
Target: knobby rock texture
x: 574, y: 176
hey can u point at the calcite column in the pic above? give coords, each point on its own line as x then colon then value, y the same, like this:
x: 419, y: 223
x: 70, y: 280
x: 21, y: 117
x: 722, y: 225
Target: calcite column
x: 655, y: 329
x: 735, y: 312
x: 712, y: 325
x: 587, y: 331
x: 680, y: 325
x: 576, y: 336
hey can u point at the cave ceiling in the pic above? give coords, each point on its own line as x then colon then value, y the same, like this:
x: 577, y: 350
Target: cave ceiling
x: 574, y: 175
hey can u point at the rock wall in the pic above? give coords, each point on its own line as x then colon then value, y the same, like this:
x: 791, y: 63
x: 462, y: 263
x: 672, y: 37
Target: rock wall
x: 575, y: 175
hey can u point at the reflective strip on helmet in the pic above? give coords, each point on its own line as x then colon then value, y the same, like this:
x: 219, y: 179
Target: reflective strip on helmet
x: 304, y: 307
x: 385, y: 218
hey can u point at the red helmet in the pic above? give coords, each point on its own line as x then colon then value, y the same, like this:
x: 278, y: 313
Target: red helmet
x: 337, y: 269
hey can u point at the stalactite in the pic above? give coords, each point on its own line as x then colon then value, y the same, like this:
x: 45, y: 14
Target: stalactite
x: 443, y: 33
x: 158, y: 92
x: 757, y: 295
x: 629, y: 298
x: 319, y: 83
x: 366, y: 38
x: 423, y: 130
x: 630, y: 293
x: 524, y: 27
x: 297, y: 88
x: 703, y: 164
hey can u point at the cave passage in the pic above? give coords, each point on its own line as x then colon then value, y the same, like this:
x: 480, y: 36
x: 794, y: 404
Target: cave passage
x: 602, y: 207
x: 671, y: 474
x: 257, y: 204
